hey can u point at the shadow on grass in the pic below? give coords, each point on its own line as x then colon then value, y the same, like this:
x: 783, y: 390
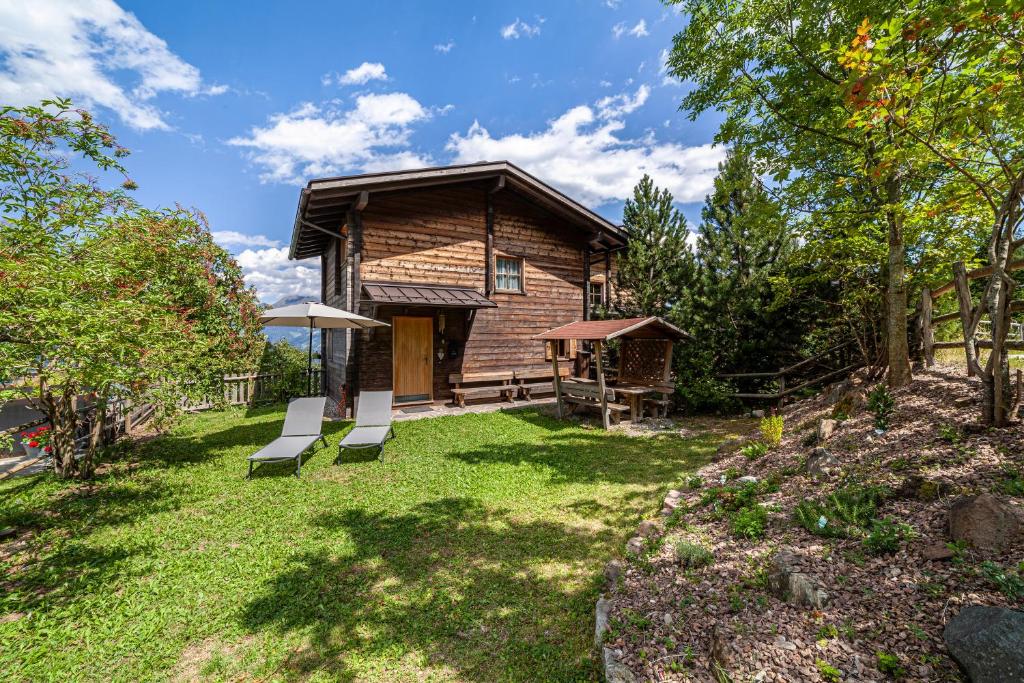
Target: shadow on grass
x: 467, y: 588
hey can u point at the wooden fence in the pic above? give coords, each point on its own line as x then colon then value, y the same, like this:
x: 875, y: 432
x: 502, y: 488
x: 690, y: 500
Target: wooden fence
x: 265, y: 387
x: 784, y: 382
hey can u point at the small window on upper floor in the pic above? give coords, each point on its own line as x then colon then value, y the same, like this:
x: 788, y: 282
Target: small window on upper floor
x: 596, y: 295
x: 508, y: 274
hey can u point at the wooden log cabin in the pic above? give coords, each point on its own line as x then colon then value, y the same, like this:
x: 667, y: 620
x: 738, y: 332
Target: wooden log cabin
x: 467, y: 263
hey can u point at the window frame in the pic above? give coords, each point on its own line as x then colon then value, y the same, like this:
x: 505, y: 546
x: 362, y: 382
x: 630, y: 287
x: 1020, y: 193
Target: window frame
x: 522, y: 274
x: 596, y: 288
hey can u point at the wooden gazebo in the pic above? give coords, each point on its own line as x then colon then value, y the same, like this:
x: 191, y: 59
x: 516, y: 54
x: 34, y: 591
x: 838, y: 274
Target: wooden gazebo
x: 645, y: 358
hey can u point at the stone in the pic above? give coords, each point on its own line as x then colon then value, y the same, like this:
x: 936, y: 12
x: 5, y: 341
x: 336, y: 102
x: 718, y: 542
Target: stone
x: 821, y: 462
x: 721, y: 648
x: 601, y: 612
x: 937, y: 552
x: 926, y: 490
x: 788, y: 583
x: 826, y: 428
x: 612, y: 572
x: 757, y: 414
x: 7, y: 532
x: 667, y: 618
x: 988, y: 642
x: 635, y: 545
x: 648, y: 529
x: 747, y: 479
x: 783, y: 644
x: 986, y: 522
x: 614, y: 670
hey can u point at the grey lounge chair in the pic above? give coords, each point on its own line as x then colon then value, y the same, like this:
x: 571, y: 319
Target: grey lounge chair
x: 302, y: 429
x: 373, y: 423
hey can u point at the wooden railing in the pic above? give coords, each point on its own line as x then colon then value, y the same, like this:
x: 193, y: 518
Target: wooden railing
x: 820, y: 368
x: 265, y: 387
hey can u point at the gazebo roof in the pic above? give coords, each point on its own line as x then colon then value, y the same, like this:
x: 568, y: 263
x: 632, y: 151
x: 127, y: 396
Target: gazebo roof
x: 606, y: 330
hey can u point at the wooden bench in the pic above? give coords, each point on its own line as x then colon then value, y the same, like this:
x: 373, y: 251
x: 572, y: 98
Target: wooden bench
x: 588, y: 394
x: 484, y: 385
x: 662, y: 401
x: 538, y: 380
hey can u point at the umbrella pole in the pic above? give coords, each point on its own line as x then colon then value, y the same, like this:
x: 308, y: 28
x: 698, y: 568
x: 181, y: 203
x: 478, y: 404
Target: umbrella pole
x: 309, y: 363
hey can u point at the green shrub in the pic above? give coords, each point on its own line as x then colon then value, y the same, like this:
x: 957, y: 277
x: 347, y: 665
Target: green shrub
x: 845, y: 513
x: 949, y: 433
x: 1009, y: 582
x: 881, y: 404
x: 827, y: 671
x: 889, y: 664
x: 1012, y: 483
x: 749, y: 522
x: 694, y: 482
x: 693, y: 555
x: 755, y: 450
x: 771, y: 430
x: 886, y: 535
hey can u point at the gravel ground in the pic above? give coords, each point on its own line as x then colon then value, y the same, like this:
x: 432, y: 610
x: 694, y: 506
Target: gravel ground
x: 667, y: 620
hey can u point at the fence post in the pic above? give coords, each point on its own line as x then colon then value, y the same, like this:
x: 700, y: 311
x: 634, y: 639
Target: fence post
x: 782, y: 390
x: 927, y: 333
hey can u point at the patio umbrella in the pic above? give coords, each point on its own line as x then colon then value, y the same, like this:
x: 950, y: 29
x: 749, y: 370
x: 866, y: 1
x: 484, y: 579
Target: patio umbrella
x: 318, y: 316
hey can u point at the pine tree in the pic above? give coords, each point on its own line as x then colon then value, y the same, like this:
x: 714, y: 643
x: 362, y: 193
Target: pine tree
x: 743, y: 243
x: 657, y: 269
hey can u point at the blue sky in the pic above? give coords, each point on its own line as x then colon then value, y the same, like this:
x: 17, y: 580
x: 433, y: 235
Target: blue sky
x: 230, y: 108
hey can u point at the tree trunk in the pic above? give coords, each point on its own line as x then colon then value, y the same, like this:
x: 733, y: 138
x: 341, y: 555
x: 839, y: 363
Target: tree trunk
x: 896, y: 294
x: 99, y: 421
x: 60, y: 411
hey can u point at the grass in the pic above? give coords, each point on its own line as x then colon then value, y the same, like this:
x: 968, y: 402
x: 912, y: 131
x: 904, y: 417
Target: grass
x: 472, y: 553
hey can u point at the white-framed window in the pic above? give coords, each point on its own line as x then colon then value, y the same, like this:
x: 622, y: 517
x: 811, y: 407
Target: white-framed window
x: 596, y: 295
x: 508, y: 274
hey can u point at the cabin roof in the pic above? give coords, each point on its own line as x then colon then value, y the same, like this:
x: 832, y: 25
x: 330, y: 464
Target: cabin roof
x: 325, y: 202
x: 606, y: 330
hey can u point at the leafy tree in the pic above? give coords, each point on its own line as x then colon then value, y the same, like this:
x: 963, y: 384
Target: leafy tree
x: 760, y: 63
x: 945, y: 80
x: 101, y: 299
x: 654, y: 273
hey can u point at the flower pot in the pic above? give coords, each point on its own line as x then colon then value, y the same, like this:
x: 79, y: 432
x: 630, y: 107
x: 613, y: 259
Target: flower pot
x: 31, y: 451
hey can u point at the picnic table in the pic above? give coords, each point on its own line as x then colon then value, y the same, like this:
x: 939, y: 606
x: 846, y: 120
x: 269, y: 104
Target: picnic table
x: 631, y: 392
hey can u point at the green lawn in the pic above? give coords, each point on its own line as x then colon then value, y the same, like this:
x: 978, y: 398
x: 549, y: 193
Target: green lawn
x: 472, y: 553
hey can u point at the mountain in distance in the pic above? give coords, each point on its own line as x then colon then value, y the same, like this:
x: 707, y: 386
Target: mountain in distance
x: 296, y: 336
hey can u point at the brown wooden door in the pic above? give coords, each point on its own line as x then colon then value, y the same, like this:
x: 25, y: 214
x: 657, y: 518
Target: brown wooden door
x: 412, y: 353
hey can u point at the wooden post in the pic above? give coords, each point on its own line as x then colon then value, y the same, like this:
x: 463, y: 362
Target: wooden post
x: 963, y: 293
x: 586, y: 282
x: 553, y: 345
x: 782, y: 391
x: 927, y: 333
x: 600, y: 383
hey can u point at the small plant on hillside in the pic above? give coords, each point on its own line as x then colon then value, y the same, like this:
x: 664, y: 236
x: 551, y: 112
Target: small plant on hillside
x: 949, y: 433
x: 1009, y: 582
x: 886, y: 535
x: 1012, y: 483
x: 694, y: 482
x: 693, y: 555
x: 771, y: 430
x: 845, y: 513
x: 827, y: 671
x: 881, y: 404
x: 755, y: 450
x: 749, y: 522
x: 889, y: 664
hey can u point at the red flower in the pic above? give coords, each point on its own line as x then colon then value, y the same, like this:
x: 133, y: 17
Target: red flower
x: 33, y: 444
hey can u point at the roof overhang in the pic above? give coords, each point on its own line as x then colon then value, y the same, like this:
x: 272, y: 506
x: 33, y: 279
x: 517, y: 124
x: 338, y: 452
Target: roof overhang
x: 435, y: 296
x: 606, y: 330
x: 324, y: 204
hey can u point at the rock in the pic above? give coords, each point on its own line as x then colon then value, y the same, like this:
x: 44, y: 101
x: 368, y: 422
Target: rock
x: 721, y: 648
x: 635, y: 545
x: 747, y: 479
x: 667, y: 618
x: 789, y: 584
x: 926, y: 490
x: 648, y: 529
x: 614, y: 670
x: 821, y: 462
x: 783, y: 644
x: 849, y: 401
x: 986, y: 522
x: 988, y: 642
x: 673, y: 500
x: 757, y: 414
x: 937, y: 552
x: 601, y: 612
x: 7, y: 532
x: 826, y: 428
x: 612, y: 572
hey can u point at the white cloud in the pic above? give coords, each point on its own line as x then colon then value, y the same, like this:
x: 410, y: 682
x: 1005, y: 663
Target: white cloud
x: 605, y: 84
x: 639, y: 30
x: 74, y: 48
x: 666, y: 77
x: 364, y: 73
x: 585, y: 154
x: 232, y: 238
x: 318, y: 140
x: 275, y: 277
x: 615, y: 106
x: 444, y: 48
x: 612, y: 4
x: 521, y: 29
